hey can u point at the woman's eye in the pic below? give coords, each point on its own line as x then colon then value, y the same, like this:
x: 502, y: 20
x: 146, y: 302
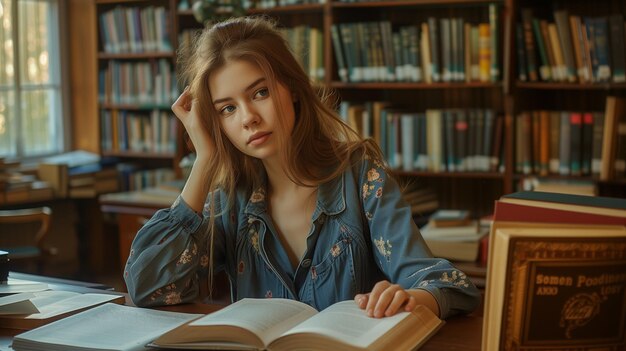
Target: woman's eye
x: 227, y: 109
x: 262, y: 92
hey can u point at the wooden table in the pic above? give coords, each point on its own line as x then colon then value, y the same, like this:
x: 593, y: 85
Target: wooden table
x: 462, y: 333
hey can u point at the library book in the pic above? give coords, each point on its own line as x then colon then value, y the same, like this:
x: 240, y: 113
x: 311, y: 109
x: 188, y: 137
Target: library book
x: 248, y: 324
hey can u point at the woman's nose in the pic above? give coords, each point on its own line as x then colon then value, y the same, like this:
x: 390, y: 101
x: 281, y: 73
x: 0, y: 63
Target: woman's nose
x: 250, y: 115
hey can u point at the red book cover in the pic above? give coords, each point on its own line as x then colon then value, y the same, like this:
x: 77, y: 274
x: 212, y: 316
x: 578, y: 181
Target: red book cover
x: 521, y: 213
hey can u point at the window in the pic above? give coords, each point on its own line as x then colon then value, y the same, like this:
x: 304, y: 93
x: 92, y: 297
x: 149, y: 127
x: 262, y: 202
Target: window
x: 31, y: 122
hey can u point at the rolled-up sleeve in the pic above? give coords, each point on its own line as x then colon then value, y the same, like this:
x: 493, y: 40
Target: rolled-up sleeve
x: 400, y: 251
x: 167, y: 254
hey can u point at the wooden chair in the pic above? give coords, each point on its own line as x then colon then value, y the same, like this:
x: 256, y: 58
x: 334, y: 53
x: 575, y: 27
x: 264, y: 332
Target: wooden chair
x: 26, y: 248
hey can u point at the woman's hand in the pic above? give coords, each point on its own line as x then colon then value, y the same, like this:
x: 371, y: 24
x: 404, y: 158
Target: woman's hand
x: 387, y: 299
x: 186, y: 109
x: 195, y: 191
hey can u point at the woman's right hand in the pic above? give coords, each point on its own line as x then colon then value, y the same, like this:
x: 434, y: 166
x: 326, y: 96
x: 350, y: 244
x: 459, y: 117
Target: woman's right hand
x: 186, y: 110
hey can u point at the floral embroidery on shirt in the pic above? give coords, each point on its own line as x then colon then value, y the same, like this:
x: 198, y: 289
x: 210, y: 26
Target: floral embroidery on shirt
x: 204, y: 261
x: 172, y: 298
x: 258, y: 195
x: 373, y: 180
x: 335, y: 250
x: 384, y: 247
x: 187, y: 255
x: 457, y: 278
x: 372, y: 175
x: 156, y: 294
x: 365, y: 191
x: 369, y: 215
x: 313, y: 273
x: 254, y: 239
x: 241, y: 267
x: 268, y: 294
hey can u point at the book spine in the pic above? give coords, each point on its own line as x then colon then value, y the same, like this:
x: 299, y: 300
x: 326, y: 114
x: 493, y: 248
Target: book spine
x: 587, y: 143
x: 575, y: 119
x: 618, y: 41
x: 527, y: 19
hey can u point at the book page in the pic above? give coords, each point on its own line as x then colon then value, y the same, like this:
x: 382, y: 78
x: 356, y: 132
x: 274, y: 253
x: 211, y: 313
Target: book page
x: 109, y: 326
x: 52, y: 303
x: 14, y: 286
x: 17, y: 304
x: 267, y: 318
x: 345, y: 321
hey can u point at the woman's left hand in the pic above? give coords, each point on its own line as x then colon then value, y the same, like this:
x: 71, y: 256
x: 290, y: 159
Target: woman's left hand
x: 387, y: 299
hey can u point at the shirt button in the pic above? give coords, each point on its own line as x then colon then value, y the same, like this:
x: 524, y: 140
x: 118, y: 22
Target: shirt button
x: 306, y: 263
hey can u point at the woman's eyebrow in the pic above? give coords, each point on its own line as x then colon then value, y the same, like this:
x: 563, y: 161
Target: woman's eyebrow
x: 255, y: 83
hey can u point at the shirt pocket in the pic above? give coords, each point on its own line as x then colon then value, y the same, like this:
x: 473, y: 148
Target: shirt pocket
x: 333, y: 279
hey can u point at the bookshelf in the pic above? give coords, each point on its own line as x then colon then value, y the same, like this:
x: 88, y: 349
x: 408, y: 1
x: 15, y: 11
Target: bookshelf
x: 136, y: 86
x: 503, y: 94
x: 568, y: 64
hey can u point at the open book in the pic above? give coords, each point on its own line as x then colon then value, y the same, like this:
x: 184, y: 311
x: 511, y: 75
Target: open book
x: 31, y: 310
x: 282, y: 324
x: 107, y: 327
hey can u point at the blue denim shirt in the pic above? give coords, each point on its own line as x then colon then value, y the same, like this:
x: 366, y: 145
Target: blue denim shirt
x: 362, y: 232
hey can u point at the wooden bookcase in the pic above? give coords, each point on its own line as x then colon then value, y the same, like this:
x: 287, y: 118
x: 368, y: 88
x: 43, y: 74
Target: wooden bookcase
x: 136, y: 87
x: 506, y: 96
x: 576, y: 96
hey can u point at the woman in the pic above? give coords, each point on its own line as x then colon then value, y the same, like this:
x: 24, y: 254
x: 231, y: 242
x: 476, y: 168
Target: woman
x: 283, y: 196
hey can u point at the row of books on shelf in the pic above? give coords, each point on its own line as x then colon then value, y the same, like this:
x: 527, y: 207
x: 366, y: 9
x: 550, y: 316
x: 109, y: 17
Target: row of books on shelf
x: 437, y: 140
x: 135, y: 30
x: 573, y: 48
x: 134, y: 177
x: 140, y: 83
x: 438, y: 50
x: 307, y: 43
x: 270, y: 4
x: 154, y: 131
x: 308, y: 47
x: 571, y: 142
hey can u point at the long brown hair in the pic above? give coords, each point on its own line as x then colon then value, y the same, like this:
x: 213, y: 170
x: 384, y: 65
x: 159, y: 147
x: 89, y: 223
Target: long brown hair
x: 320, y: 145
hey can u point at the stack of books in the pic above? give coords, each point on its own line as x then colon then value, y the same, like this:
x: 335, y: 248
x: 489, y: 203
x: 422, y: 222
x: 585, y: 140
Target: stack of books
x: 19, y: 185
x: 451, y: 234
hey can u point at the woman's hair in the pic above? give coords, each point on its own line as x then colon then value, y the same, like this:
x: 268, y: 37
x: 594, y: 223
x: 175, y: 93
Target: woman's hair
x: 320, y: 146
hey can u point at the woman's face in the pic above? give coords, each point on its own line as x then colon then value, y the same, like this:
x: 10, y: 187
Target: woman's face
x: 247, y: 109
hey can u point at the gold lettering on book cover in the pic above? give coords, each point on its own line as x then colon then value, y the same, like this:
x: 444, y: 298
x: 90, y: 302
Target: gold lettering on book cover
x: 565, y: 294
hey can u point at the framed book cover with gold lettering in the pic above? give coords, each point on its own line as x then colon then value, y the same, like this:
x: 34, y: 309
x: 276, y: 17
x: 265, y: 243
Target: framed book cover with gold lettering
x: 556, y: 288
x: 565, y: 293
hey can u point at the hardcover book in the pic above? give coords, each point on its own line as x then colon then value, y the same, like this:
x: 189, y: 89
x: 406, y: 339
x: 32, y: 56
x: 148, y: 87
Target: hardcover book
x: 556, y: 273
x: 280, y: 324
x: 557, y: 288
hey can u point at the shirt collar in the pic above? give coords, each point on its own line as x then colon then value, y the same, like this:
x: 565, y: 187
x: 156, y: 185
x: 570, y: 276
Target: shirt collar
x: 331, y: 198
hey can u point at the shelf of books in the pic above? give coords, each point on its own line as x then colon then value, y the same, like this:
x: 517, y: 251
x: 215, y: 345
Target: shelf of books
x: 136, y: 85
x: 424, y: 80
x: 571, y: 85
